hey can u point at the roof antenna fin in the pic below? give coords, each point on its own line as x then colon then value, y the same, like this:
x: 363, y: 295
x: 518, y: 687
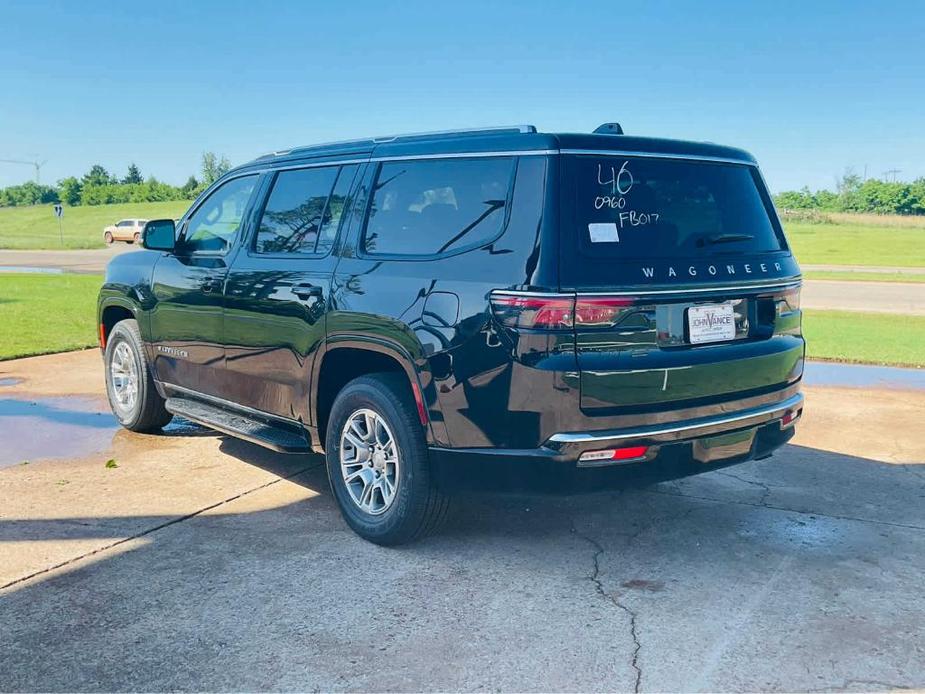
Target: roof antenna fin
x: 609, y: 129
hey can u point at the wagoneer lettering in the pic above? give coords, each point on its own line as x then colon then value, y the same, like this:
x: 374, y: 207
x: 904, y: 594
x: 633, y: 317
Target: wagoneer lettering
x: 583, y: 306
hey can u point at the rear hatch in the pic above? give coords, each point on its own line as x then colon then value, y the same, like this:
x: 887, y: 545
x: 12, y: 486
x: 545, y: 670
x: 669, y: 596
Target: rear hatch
x: 686, y: 291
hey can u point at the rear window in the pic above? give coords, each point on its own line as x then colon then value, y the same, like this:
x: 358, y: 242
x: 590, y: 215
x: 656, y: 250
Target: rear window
x: 636, y: 208
x: 431, y: 207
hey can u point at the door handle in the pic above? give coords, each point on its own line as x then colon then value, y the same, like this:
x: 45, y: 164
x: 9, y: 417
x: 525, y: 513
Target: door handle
x: 307, y: 291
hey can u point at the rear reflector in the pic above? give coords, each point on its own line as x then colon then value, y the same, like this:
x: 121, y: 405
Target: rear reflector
x: 557, y: 311
x: 622, y: 454
x: 790, y: 417
x: 102, y: 336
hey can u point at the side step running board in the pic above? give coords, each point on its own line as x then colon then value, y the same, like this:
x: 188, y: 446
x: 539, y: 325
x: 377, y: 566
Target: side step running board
x: 275, y: 436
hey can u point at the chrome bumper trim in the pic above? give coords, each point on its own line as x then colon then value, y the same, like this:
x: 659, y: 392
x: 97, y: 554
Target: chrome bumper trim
x: 603, y: 437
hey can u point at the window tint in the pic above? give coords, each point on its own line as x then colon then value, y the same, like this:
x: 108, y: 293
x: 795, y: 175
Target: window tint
x: 432, y: 206
x: 653, y: 208
x: 217, y: 221
x: 295, y: 211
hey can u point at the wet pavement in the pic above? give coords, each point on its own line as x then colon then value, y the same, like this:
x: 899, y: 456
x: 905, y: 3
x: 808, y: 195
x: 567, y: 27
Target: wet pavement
x: 53, y: 427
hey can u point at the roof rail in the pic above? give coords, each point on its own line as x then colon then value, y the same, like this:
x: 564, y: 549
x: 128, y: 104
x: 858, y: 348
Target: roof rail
x: 496, y: 129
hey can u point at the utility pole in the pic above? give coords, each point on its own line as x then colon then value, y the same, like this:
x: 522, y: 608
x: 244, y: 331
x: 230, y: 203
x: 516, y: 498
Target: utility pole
x: 37, y: 164
x: 891, y: 174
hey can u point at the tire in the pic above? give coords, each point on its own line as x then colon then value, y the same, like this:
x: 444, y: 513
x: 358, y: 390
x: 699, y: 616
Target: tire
x: 107, y: 237
x: 417, y: 506
x: 136, y: 238
x: 126, y: 364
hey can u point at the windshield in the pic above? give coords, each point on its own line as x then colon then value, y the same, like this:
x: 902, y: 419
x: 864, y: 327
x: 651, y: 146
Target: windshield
x: 635, y: 208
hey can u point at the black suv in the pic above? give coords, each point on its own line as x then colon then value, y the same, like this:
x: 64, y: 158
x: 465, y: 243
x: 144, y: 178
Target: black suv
x: 413, y: 303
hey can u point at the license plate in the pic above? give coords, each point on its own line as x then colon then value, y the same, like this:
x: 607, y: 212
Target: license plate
x: 711, y: 323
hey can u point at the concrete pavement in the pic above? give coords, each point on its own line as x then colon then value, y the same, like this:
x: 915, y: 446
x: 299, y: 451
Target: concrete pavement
x: 201, y: 562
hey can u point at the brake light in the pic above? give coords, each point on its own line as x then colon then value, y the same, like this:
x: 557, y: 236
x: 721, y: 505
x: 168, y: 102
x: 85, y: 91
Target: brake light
x: 788, y: 302
x: 599, y: 311
x: 557, y: 311
x: 540, y: 312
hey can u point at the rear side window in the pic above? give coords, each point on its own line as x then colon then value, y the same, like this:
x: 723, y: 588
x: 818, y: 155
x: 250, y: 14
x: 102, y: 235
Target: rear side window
x: 430, y: 207
x: 294, y: 212
x: 640, y: 208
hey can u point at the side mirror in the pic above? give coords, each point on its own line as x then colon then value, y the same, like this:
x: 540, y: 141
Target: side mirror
x: 159, y: 235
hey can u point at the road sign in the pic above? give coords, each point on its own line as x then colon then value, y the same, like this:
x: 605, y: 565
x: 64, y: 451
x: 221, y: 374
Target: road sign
x: 59, y: 210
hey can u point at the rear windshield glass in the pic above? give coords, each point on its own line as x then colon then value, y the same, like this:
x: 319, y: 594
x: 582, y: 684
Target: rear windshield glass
x: 635, y: 207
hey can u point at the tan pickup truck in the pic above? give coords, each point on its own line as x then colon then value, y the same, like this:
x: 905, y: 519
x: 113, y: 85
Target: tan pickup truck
x: 125, y: 230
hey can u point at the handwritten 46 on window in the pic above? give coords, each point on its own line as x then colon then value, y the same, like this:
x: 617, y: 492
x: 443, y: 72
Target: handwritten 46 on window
x: 620, y: 182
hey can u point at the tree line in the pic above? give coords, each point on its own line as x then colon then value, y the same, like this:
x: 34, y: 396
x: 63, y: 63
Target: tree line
x: 99, y: 187
x: 855, y: 194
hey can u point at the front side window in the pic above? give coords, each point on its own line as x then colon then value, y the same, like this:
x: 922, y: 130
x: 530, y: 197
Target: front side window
x: 295, y: 211
x: 215, y: 224
x: 429, y: 207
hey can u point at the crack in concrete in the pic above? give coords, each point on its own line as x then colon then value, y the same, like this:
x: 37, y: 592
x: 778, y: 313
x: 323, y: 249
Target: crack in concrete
x: 818, y: 514
x: 765, y: 488
x: 161, y: 526
x: 594, y: 577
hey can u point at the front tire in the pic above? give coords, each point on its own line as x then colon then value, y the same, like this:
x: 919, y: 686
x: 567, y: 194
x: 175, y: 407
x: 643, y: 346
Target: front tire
x: 107, y: 237
x: 378, y: 463
x: 129, y: 385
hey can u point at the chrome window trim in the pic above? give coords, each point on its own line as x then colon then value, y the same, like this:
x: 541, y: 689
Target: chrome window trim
x: 658, y: 155
x: 644, y: 432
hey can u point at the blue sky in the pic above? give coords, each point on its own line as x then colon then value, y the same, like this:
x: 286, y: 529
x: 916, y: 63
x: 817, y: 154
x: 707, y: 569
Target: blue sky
x: 808, y: 87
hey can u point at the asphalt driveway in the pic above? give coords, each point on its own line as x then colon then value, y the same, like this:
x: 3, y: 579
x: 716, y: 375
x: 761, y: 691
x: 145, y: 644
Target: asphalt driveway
x: 204, y: 563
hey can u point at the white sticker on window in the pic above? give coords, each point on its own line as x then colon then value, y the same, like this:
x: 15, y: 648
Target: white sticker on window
x: 605, y: 232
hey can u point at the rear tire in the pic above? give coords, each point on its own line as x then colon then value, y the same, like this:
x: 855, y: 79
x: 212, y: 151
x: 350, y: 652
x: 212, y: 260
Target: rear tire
x: 416, y: 506
x: 129, y: 385
x: 136, y: 238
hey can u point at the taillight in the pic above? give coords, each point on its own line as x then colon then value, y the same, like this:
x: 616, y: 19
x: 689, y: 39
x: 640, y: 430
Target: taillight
x: 593, y: 312
x: 539, y: 312
x: 557, y: 311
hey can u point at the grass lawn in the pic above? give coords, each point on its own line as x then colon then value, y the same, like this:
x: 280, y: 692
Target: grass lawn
x: 41, y: 314
x: 37, y: 227
x: 850, y: 276
x: 856, y: 244
x: 872, y: 338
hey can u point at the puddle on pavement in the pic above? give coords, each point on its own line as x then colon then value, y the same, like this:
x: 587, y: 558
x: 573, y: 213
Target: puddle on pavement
x: 53, y: 427
x: 31, y: 269
x: 823, y: 373
x: 65, y: 427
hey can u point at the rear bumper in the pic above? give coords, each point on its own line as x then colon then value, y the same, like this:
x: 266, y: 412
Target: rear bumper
x: 686, y: 446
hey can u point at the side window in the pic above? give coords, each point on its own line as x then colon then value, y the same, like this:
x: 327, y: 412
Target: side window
x: 123, y: 223
x: 215, y: 224
x: 433, y: 206
x: 295, y: 211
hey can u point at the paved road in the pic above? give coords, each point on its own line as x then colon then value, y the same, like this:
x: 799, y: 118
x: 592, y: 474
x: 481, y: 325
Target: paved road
x: 203, y: 563
x: 86, y: 261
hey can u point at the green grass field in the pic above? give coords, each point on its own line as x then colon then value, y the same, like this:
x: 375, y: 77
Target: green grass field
x: 865, y: 338
x: 851, y: 276
x: 37, y: 227
x: 856, y: 244
x: 41, y: 314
